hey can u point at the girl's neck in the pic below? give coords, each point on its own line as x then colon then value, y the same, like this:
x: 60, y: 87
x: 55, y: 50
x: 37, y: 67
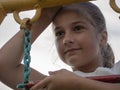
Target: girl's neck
x: 90, y: 67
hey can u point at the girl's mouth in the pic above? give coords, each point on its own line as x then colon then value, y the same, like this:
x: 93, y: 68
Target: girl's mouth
x: 71, y: 50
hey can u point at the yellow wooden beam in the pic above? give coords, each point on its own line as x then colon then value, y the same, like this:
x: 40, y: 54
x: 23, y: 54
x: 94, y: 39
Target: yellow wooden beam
x: 8, y: 6
x: 11, y: 5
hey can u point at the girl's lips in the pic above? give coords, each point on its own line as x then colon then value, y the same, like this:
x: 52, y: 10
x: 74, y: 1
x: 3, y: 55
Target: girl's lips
x: 71, y: 50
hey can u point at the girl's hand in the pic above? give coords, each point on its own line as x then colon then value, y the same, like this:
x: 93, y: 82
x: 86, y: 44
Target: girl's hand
x: 58, y: 80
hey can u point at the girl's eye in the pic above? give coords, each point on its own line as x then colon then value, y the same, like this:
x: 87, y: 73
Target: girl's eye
x: 78, y: 28
x: 59, y: 33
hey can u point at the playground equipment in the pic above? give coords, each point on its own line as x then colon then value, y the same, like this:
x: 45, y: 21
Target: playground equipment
x: 9, y: 6
x: 14, y: 6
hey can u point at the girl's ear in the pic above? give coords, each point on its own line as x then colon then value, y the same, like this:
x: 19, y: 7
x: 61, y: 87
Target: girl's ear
x: 103, y: 38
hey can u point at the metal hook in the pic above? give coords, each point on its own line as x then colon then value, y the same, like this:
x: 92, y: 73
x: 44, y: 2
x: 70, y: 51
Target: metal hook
x: 114, y: 6
x: 34, y: 19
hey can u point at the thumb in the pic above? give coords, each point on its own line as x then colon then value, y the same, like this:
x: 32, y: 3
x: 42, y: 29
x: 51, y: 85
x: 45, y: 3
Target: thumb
x: 42, y: 84
x: 51, y: 73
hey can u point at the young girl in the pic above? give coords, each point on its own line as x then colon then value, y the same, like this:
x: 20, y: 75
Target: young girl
x: 81, y: 42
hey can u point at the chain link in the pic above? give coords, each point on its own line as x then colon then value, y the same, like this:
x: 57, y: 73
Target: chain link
x: 27, y: 59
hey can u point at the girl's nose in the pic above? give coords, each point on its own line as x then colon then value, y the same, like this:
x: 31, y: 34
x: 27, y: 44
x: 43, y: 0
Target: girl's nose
x: 68, y: 39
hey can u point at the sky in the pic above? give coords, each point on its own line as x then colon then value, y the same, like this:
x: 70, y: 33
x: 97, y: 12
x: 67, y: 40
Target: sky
x: 44, y: 57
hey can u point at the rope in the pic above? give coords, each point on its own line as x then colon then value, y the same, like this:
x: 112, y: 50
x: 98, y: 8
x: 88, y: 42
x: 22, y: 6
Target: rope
x: 27, y: 59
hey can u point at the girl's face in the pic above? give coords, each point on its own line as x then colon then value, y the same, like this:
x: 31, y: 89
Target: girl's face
x: 77, y: 42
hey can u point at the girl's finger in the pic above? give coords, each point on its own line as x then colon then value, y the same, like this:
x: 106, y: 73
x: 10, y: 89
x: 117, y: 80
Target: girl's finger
x: 52, y: 72
x: 42, y: 84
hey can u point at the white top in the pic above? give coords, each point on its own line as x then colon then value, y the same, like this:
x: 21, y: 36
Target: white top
x: 101, y: 71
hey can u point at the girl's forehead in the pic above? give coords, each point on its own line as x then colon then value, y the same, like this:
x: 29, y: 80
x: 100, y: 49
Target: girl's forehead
x: 71, y: 16
x: 67, y: 17
x: 67, y: 11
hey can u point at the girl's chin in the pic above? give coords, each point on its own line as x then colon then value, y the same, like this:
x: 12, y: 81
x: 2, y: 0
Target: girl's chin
x: 76, y: 64
x: 73, y: 64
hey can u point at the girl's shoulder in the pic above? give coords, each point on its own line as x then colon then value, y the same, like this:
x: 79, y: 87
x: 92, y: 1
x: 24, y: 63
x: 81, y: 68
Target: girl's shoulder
x: 100, y: 71
x: 116, y: 68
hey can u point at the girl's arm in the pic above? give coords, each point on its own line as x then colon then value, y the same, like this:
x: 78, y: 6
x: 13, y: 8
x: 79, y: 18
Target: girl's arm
x: 66, y: 80
x: 11, y: 53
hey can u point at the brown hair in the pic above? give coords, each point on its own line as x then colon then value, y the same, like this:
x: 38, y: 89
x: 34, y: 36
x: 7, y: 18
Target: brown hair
x: 108, y: 56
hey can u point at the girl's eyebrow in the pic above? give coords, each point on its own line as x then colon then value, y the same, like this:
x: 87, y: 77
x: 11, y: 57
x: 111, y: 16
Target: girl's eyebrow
x: 73, y: 23
x: 57, y: 28
x: 77, y: 22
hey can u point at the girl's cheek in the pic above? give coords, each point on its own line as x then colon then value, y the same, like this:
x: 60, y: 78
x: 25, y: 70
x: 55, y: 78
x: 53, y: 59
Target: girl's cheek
x: 57, y: 47
x: 58, y: 44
